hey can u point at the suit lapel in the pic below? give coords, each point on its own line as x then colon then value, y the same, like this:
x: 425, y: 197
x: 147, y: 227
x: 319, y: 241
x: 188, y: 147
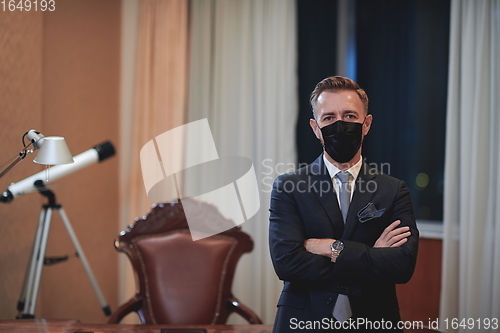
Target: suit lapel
x: 364, y: 190
x: 326, y: 194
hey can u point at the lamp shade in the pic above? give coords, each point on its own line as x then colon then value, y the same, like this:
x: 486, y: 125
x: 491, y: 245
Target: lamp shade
x: 54, y: 151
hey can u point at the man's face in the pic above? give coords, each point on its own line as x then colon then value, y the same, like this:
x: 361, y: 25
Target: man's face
x: 340, y: 105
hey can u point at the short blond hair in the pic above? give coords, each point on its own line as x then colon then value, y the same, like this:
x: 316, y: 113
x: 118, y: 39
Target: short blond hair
x: 337, y: 83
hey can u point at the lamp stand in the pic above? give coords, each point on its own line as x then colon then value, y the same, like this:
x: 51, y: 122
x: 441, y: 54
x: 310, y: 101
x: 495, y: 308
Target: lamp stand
x: 27, y: 302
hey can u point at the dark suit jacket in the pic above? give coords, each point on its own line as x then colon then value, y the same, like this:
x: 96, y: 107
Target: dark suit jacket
x: 303, y: 206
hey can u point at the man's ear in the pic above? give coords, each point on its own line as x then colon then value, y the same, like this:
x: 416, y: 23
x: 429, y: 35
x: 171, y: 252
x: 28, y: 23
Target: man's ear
x: 367, y: 124
x: 315, y: 128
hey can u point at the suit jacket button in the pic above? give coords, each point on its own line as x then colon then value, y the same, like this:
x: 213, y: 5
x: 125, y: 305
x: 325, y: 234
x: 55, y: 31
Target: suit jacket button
x: 329, y: 300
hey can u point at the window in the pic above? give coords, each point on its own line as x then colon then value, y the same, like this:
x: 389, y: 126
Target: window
x: 402, y: 63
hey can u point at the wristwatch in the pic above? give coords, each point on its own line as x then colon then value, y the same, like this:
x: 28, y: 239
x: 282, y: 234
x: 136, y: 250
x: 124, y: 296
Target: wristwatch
x: 336, y: 247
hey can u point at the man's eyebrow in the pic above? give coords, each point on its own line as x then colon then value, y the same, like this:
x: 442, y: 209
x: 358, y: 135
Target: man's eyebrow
x: 328, y: 113
x: 333, y: 113
x: 351, y: 111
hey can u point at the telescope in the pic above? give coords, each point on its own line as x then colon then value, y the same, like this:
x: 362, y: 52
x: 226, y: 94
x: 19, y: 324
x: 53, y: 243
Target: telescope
x: 53, y: 151
x: 96, y: 154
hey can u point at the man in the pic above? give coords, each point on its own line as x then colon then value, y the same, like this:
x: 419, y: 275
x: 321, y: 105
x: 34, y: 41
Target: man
x: 340, y: 240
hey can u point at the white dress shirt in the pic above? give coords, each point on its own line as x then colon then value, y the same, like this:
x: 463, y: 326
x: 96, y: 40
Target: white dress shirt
x: 333, y: 170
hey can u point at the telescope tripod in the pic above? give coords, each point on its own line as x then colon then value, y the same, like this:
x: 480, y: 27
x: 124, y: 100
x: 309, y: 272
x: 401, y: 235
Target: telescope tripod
x: 29, y: 294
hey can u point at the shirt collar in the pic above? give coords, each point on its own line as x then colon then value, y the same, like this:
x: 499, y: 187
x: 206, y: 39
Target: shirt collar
x: 333, y: 170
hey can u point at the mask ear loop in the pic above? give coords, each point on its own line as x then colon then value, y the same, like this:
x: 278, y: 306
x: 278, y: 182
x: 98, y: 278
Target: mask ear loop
x: 319, y: 129
x: 363, y: 124
x: 321, y: 140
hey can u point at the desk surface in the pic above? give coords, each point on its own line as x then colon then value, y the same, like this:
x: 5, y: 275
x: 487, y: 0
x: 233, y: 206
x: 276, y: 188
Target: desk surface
x: 74, y: 326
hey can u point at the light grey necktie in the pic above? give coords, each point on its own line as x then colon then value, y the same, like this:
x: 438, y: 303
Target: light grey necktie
x: 342, y: 310
x: 345, y: 192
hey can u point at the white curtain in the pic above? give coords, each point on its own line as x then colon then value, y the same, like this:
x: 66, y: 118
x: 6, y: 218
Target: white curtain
x: 243, y: 80
x: 471, y: 263
x: 154, y: 83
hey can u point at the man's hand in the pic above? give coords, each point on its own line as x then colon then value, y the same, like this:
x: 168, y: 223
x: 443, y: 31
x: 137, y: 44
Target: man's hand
x: 321, y: 246
x: 393, y: 236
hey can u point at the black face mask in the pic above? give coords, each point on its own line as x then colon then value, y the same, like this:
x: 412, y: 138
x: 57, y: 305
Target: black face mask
x: 342, y: 140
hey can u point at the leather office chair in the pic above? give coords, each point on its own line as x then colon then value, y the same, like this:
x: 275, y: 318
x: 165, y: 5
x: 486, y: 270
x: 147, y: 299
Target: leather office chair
x: 181, y: 281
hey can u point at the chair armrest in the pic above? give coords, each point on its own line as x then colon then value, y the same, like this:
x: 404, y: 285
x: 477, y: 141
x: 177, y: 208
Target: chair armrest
x: 132, y: 305
x: 244, y: 311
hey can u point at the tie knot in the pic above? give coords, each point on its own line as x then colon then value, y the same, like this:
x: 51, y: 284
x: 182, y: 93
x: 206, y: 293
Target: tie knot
x: 343, y: 176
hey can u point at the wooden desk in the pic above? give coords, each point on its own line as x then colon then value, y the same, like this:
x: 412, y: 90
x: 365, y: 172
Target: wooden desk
x: 74, y: 326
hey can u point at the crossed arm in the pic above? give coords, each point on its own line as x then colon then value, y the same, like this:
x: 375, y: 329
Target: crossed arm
x: 392, y: 236
x: 298, y: 258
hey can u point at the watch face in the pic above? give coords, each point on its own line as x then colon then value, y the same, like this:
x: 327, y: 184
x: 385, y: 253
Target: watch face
x: 338, y: 245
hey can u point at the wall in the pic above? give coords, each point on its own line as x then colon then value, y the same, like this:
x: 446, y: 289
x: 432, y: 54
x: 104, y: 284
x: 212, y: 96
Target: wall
x: 419, y: 298
x: 60, y: 74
